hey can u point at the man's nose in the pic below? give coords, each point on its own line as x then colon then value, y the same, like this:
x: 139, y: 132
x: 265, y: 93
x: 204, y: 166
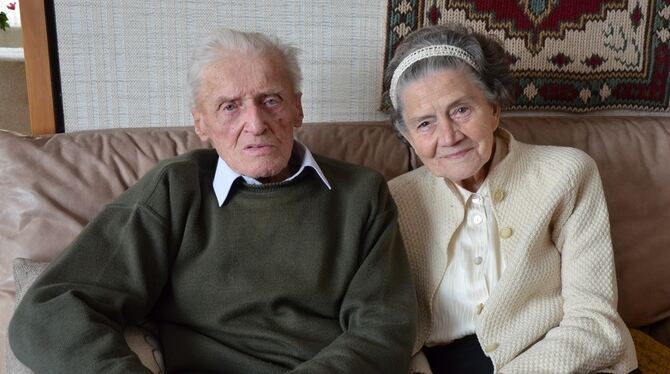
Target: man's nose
x: 254, y: 120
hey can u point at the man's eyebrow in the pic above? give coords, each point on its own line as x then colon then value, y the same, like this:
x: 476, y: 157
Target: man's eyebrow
x: 270, y: 92
x: 218, y: 100
x: 278, y: 93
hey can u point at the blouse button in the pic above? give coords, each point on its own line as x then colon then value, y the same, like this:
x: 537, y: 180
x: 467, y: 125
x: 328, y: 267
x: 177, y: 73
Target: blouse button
x: 498, y: 195
x: 491, y: 347
x: 505, y: 232
x: 477, y: 219
x: 478, y: 260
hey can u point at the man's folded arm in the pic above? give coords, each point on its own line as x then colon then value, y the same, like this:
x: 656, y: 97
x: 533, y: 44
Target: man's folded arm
x: 72, y: 318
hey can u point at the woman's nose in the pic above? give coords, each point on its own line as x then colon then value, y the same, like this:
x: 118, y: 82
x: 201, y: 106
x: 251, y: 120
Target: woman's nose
x: 448, y: 132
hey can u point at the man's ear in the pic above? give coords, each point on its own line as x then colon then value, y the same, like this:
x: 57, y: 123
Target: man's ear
x: 298, y: 103
x: 199, y: 125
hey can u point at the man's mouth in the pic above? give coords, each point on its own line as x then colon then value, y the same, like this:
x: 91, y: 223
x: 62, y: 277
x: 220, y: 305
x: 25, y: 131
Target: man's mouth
x: 258, y: 149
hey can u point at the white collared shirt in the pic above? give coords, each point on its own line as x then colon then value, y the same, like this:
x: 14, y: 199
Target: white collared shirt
x: 474, y: 265
x: 225, y: 176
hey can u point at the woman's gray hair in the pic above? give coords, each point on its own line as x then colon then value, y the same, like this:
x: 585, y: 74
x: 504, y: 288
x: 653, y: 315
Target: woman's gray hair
x: 218, y: 45
x: 493, y: 75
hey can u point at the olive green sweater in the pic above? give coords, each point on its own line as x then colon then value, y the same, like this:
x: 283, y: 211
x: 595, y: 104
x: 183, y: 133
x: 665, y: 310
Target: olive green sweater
x: 288, y: 276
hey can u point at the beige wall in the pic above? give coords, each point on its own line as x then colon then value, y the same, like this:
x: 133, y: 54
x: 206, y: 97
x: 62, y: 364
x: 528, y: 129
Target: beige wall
x: 13, y: 97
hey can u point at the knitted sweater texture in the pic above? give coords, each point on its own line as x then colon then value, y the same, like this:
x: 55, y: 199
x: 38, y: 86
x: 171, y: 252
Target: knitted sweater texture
x: 282, y: 277
x: 554, y: 307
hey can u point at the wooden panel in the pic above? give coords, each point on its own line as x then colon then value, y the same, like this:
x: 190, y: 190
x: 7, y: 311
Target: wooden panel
x: 38, y: 67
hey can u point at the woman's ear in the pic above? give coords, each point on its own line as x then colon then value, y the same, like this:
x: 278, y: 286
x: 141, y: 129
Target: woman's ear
x: 406, y: 137
x: 497, y: 110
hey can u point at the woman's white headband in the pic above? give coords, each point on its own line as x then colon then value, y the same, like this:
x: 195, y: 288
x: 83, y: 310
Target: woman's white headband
x: 426, y: 52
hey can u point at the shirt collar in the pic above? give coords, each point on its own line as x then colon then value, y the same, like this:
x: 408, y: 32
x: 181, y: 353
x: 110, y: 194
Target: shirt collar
x: 225, y: 176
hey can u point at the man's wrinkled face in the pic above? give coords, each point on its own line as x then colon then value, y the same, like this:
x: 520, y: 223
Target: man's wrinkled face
x: 247, y: 108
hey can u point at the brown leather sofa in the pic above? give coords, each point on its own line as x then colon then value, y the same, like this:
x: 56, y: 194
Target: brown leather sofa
x: 51, y: 186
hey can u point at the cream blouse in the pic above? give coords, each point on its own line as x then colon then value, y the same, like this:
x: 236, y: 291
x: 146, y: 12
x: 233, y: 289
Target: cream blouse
x: 474, y: 264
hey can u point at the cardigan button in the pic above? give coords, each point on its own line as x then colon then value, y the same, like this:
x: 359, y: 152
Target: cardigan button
x: 498, y: 195
x: 491, y: 347
x: 505, y: 232
x: 479, y: 308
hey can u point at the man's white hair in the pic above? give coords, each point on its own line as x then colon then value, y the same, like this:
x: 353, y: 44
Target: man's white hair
x: 218, y: 45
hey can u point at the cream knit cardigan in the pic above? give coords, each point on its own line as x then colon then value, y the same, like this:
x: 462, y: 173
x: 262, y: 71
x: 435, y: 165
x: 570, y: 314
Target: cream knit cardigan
x: 554, y: 307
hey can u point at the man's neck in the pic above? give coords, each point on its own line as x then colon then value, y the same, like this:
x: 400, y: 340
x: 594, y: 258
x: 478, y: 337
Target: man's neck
x: 291, y: 168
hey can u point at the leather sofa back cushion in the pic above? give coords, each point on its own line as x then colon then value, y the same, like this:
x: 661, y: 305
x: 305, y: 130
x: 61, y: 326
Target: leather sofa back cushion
x: 51, y: 186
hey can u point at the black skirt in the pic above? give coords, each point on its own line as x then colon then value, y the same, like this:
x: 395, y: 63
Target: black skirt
x: 463, y: 355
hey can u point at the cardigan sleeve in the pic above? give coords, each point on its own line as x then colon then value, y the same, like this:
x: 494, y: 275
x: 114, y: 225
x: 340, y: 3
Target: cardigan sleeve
x: 589, y: 336
x: 378, y: 313
x: 419, y: 364
x: 72, y: 318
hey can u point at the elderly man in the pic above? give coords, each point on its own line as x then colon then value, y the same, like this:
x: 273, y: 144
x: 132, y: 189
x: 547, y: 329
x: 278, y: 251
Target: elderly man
x: 257, y: 258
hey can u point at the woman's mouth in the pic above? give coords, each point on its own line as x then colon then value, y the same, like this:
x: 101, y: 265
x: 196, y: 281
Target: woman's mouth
x: 457, y: 154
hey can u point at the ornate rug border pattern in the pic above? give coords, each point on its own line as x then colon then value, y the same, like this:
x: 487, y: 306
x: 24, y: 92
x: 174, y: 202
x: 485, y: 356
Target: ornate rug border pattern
x: 648, y: 90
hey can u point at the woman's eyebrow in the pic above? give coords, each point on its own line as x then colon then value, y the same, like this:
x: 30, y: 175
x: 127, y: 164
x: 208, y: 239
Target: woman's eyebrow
x: 421, y: 118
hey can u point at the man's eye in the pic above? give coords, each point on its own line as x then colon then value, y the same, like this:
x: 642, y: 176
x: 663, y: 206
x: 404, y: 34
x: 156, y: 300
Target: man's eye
x: 228, y: 107
x: 271, y: 101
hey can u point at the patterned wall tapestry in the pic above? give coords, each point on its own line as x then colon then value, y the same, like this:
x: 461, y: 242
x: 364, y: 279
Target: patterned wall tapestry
x: 569, y: 55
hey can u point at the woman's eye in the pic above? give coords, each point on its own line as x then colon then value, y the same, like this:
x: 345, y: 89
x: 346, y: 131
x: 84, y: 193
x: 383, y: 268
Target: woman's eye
x: 422, y: 125
x: 460, y: 111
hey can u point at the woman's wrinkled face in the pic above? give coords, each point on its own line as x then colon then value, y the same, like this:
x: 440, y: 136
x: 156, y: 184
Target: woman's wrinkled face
x: 450, y: 125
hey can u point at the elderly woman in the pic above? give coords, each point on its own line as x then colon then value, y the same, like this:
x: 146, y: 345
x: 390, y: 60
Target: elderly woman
x: 509, y: 242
